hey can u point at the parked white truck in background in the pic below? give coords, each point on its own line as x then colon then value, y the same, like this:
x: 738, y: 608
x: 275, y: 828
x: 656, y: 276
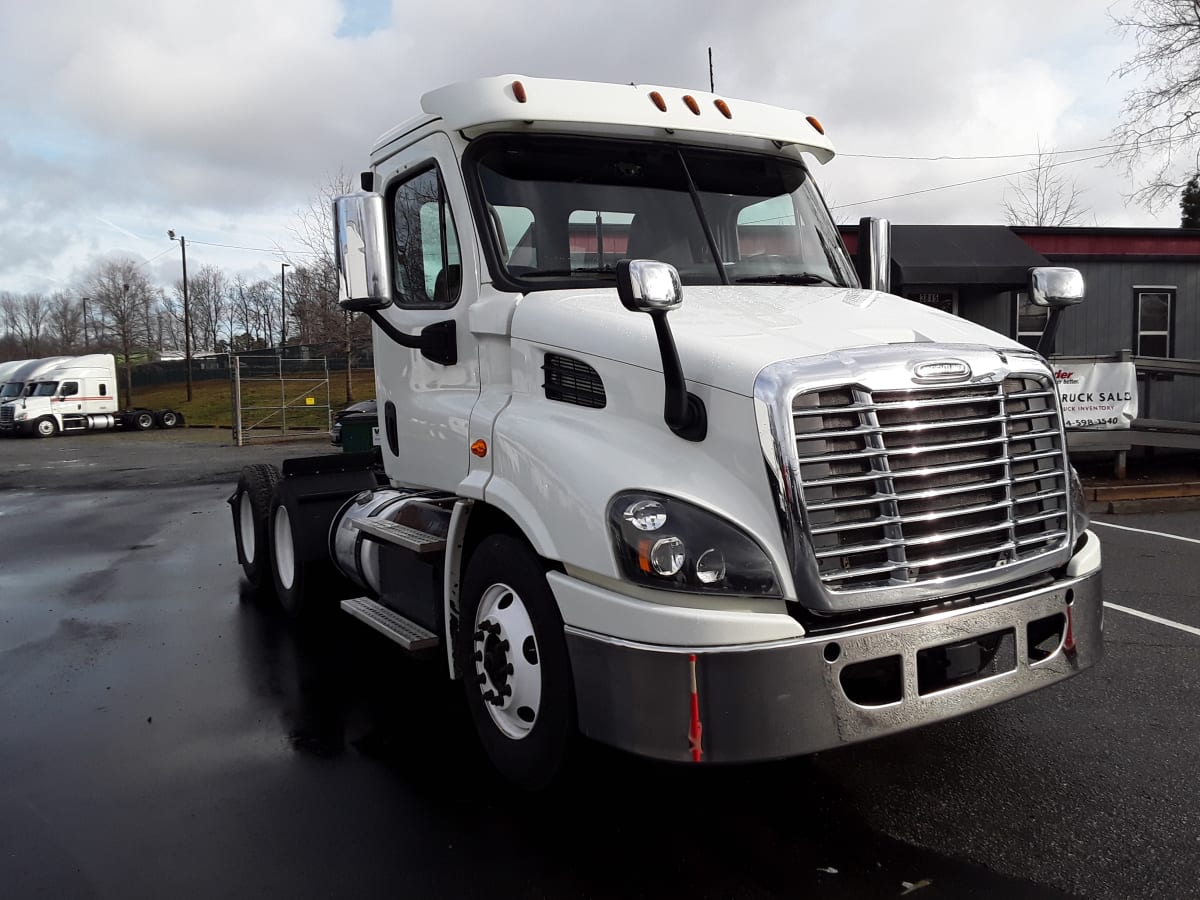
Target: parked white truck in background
x: 20, y: 379
x: 77, y: 394
x: 796, y: 514
x: 7, y: 369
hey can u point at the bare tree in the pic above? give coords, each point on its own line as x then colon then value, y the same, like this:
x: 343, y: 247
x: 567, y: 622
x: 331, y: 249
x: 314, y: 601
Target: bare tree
x: 65, y: 323
x: 1043, y: 195
x: 119, y: 290
x: 1160, y: 119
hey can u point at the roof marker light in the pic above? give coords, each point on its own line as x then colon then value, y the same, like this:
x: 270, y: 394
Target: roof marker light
x: 658, y: 101
x: 724, y: 108
x: 518, y: 90
x: 815, y: 123
x: 691, y: 103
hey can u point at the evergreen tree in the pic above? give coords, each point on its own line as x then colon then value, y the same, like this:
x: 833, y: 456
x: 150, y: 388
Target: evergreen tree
x: 1189, y: 203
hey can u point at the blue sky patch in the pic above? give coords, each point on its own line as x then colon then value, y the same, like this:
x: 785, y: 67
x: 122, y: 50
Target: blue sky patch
x: 362, y: 17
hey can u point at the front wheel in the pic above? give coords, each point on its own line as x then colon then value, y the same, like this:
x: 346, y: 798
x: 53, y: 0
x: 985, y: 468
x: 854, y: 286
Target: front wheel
x: 45, y: 427
x: 514, y: 663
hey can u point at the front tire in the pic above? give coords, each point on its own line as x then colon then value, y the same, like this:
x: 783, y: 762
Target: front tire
x: 45, y: 427
x: 513, y: 656
x: 251, y: 516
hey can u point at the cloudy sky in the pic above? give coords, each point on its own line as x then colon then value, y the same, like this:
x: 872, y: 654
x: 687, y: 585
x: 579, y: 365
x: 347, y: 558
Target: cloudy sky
x: 221, y: 118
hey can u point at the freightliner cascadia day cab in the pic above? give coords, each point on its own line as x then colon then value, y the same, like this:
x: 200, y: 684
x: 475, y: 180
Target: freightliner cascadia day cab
x: 655, y: 466
x: 77, y: 393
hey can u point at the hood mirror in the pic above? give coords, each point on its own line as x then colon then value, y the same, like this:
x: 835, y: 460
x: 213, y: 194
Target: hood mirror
x: 360, y: 247
x: 646, y: 285
x: 1055, y: 286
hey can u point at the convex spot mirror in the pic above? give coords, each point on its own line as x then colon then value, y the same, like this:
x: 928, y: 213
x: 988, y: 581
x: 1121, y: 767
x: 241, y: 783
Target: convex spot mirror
x: 646, y: 285
x: 360, y: 248
x: 1055, y: 286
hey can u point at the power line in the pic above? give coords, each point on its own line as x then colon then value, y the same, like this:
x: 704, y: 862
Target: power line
x: 948, y: 158
x: 277, y: 250
x: 943, y: 187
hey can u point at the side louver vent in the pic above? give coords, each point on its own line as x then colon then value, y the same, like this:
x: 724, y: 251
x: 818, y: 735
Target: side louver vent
x: 571, y: 381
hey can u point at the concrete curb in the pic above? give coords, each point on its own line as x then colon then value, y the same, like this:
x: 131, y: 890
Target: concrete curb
x: 1118, y: 499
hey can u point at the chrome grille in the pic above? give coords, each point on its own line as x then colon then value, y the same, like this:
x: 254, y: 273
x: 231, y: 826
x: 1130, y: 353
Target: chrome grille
x: 903, y: 487
x: 6, y: 413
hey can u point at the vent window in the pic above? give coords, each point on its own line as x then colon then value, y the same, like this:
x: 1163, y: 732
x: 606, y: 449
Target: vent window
x: 572, y: 381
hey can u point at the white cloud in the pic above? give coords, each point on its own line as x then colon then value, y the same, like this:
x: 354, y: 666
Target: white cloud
x: 219, y: 119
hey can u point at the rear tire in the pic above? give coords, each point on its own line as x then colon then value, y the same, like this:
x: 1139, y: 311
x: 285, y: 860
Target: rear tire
x: 251, y: 514
x: 45, y: 427
x: 143, y: 420
x: 513, y: 656
x: 167, y: 418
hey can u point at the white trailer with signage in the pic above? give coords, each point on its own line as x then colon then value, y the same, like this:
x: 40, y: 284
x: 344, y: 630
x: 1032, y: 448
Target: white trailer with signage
x: 659, y: 463
x: 74, y: 394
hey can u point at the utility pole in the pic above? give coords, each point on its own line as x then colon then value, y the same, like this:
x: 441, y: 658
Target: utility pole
x: 282, y: 308
x: 85, y: 331
x: 187, y: 318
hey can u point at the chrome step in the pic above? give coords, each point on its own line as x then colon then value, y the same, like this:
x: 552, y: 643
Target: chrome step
x: 401, y: 535
x: 405, y: 632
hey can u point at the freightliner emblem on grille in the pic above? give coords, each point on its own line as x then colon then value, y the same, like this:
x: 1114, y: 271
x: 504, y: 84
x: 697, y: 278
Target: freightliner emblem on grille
x: 941, y: 370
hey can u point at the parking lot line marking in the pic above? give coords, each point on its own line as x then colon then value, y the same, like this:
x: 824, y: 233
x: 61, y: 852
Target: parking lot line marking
x: 1174, y: 537
x: 1159, y: 619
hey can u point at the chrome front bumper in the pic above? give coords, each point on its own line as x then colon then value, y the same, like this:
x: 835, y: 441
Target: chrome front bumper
x: 788, y: 698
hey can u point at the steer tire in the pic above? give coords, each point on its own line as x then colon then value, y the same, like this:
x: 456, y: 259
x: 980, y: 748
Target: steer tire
x: 251, y: 516
x: 45, y: 427
x: 528, y: 746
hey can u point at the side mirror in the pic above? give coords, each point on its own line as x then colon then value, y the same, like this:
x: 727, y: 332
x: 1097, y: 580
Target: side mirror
x: 360, y: 249
x: 646, y: 285
x: 649, y: 286
x: 1055, y: 286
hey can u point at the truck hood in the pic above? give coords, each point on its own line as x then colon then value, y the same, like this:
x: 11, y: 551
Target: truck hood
x: 726, y: 335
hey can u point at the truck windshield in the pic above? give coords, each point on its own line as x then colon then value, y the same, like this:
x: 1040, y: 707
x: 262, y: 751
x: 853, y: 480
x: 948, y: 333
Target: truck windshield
x: 561, y: 211
x: 11, y: 389
x: 45, y: 389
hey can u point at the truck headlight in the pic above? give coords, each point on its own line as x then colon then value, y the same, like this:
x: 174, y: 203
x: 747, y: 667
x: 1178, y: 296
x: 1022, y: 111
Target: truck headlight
x: 1079, y: 514
x: 20, y: 416
x: 671, y: 545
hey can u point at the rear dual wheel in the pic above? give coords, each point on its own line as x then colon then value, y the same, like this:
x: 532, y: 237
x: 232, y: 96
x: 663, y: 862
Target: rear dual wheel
x: 251, y: 516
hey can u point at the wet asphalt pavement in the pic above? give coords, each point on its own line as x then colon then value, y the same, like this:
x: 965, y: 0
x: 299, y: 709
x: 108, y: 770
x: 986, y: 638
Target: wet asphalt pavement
x: 164, y: 733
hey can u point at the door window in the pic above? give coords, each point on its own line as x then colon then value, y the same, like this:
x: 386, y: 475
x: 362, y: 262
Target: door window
x: 428, y: 264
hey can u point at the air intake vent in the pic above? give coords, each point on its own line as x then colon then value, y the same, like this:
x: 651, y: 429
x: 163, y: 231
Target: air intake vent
x: 571, y: 381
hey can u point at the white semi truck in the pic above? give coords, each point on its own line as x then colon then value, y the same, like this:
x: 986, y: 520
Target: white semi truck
x: 797, y: 512
x: 19, y: 379
x: 77, y: 393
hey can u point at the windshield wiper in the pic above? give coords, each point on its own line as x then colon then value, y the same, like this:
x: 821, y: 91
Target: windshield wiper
x: 606, y: 270
x: 788, y: 278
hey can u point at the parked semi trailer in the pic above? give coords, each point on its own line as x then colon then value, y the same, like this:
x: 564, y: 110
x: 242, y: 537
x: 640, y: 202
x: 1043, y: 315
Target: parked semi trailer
x: 659, y: 462
x: 77, y: 394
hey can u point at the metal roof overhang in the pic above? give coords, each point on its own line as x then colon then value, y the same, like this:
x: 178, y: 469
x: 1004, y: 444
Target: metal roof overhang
x: 983, y: 255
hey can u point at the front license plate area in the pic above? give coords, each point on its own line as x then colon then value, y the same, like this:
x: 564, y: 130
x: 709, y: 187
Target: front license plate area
x: 962, y: 662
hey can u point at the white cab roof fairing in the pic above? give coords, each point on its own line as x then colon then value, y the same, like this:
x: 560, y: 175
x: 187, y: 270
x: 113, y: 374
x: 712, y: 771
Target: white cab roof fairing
x: 470, y: 105
x: 80, y: 366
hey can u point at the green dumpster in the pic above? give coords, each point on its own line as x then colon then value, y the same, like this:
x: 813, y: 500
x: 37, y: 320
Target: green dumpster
x: 358, y: 432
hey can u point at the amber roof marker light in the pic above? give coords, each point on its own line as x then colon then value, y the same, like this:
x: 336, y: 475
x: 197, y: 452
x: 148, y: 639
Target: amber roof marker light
x: 658, y: 101
x: 723, y: 108
x: 691, y: 103
x: 518, y: 90
x: 815, y: 123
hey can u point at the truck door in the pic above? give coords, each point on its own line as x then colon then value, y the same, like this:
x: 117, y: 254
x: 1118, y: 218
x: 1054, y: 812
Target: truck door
x: 424, y: 406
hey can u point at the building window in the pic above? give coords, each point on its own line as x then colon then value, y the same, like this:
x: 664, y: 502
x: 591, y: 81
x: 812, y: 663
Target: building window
x: 1154, y: 311
x: 1031, y: 320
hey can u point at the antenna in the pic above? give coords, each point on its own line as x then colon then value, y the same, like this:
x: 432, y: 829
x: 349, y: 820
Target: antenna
x: 711, y: 87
